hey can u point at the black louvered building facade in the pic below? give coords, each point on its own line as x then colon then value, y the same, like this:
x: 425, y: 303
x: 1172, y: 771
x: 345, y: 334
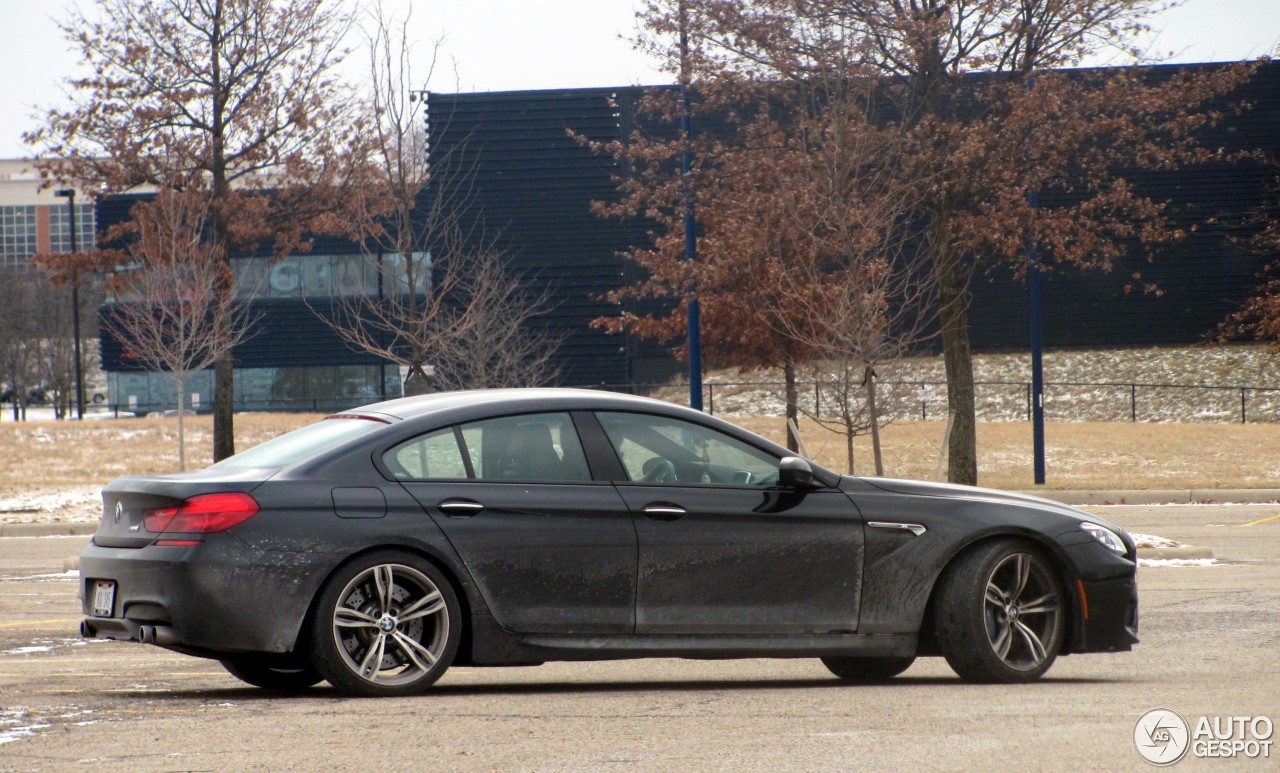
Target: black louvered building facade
x: 533, y: 186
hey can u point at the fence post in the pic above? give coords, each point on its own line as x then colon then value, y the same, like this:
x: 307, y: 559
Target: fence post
x: 1243, y: 417
x: 1028, y: 402
x: 1133, y: 402
x: 924, y: 410
x: 817, y: 405
x: 711, y: 398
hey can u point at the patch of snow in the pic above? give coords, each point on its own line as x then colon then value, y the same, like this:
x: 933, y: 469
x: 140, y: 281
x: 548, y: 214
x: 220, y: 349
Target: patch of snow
x: 1178, y: 562
x: 29, y: 649
x: 1152, y: 541
x: 12, y: 727
x: 73, y: 574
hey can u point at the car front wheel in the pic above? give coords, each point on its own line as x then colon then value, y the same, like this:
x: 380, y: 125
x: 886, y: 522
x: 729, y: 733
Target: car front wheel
x: 1000, y: 614
x: 387, y: 624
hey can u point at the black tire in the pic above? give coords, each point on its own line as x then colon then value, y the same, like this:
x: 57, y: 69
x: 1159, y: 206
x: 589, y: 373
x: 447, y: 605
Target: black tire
x: 866, y: 670
x: 276, y: 675
x: 361, y: 616
x: 1001, y: 613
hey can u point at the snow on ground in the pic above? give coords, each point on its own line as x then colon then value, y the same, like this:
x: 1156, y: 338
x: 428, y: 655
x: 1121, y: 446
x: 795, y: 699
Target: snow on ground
x: 17, y: 723
x: 1202, y: 384
x: 1152, y: 541
x: 1167, y: 562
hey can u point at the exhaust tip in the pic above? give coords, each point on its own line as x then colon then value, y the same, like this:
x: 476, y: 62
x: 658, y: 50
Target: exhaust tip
x: 86, y: 630
x: 146, y: 634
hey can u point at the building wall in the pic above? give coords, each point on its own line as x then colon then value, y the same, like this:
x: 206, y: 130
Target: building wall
x: 529, y: 186
x: 534, y: 186
x: 35, y: 221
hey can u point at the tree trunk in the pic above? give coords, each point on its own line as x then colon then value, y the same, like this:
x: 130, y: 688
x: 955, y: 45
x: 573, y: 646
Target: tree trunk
x: 792, y: 400
x: 874, y: 416
x: 224, y: 438
x: 962, y: 450
x: 416, y: 381
x: 848, y: 446
x: 181, y: 382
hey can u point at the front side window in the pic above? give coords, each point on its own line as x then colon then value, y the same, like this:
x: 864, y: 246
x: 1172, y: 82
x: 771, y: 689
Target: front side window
x: 541, y: 446
x: 659, y: 449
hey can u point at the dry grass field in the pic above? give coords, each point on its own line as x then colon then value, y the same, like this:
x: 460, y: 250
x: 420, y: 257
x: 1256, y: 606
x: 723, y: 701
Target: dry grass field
x: 54, y: 469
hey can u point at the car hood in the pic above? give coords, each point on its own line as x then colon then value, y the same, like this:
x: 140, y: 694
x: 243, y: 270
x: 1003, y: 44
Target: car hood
x: 974, y: 493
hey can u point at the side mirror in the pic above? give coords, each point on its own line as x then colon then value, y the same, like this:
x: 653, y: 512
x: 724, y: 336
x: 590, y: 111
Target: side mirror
x: 795, y: 472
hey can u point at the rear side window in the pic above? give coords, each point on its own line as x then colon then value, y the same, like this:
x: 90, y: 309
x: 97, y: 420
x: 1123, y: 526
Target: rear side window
x: 540, y: 446
x: 434, y: 455
x: 533, y: 447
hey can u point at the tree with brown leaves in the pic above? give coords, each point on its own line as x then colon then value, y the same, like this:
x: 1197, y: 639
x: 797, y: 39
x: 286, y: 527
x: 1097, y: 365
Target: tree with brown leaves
x: 988, y: 112
x: 235, y: 98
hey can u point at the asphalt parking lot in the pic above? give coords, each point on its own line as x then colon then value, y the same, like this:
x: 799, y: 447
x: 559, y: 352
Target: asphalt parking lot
x: 1210, y: 647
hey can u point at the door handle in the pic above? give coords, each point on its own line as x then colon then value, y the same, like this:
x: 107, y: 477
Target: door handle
x: 461, y: 508
x: 665, y: 512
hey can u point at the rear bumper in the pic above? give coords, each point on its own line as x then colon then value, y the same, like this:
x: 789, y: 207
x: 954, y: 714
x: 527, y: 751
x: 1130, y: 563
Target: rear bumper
x: 233, y: 599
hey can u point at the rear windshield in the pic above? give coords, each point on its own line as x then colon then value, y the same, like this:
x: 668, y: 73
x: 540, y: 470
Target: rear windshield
x: 301, y: 443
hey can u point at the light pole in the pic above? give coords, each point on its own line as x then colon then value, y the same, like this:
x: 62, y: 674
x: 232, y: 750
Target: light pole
x: 70, y: 195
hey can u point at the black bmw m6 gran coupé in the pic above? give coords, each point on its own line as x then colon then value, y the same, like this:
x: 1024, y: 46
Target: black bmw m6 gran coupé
x: 377, y: 547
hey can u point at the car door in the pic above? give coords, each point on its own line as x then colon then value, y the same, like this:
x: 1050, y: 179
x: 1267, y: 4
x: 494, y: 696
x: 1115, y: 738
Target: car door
x: 724, y: 549
x: 551, y: 550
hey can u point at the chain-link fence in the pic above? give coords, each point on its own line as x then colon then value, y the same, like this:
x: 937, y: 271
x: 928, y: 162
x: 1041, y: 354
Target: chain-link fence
x: 995, y: 400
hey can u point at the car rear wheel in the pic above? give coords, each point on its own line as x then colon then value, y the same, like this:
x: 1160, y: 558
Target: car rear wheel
x: 274, y: 676
x: 387, y: 624
x: 1000, y: 614
x: 866, y: 670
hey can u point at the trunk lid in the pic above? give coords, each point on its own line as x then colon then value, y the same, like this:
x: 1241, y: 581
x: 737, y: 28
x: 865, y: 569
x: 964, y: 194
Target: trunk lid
x: 125, y: 500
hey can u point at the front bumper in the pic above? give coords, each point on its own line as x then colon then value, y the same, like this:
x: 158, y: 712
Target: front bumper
x: 217, y: 597
x: 1105, y: 592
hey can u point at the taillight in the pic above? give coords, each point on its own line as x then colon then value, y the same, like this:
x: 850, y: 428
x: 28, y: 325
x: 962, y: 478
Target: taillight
x: 205, y: 514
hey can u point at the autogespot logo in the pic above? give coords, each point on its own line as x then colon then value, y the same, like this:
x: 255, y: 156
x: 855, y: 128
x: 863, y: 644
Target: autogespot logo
x: 1162, y: 736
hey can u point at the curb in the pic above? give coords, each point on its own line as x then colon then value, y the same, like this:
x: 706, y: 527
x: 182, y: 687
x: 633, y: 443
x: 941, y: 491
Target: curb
x: 1157, y: 496
x: 47, y: 529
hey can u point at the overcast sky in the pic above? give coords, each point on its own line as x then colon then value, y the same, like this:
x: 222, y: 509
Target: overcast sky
x: 498, y: 45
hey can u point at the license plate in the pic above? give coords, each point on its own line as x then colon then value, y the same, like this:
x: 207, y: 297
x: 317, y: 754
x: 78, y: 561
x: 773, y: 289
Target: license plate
x: 104, y: 598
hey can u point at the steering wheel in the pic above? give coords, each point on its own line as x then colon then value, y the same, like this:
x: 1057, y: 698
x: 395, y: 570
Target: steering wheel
x: 658, y: 470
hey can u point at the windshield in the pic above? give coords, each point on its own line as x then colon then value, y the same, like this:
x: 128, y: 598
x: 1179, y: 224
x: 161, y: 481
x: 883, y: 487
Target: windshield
x: 302, y: 443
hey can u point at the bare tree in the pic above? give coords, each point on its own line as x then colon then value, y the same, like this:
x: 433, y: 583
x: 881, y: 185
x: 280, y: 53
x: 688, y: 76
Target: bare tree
x: 447, y: 307
x: 498, y: 348
x: 168, y: 316
x: 19, y: 335
x: 991, y: 108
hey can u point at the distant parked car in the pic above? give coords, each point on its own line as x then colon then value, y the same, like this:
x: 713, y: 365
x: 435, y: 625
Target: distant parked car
x: 35, y: 396
x: 377, y: 547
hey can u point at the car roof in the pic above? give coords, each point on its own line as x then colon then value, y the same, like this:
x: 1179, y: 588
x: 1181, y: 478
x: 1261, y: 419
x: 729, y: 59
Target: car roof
x: 533, y: 399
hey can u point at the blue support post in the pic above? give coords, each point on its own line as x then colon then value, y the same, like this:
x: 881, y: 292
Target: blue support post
x: 690, y: 235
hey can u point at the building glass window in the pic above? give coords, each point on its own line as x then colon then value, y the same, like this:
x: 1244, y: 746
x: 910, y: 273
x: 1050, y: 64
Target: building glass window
x: 17, y: 234
x: 60, y: 227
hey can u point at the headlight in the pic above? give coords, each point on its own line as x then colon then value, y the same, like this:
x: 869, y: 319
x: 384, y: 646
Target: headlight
x: 1107, y: 537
